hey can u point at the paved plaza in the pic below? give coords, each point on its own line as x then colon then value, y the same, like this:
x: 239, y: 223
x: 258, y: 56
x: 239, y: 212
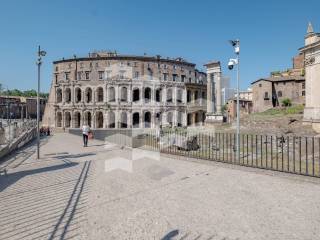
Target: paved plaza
x: 101, y: 192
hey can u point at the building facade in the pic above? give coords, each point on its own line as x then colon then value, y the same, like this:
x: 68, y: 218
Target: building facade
x: 231, y: 110
x: 107, y: 90
x: 289, y: 84
x: 311, y: 53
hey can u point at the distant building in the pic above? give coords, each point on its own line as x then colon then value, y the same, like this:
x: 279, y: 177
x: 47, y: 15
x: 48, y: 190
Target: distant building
x: 245, y: 108
x: 269, y: 92
x: 311, y: 53
x: 15, y: 107
x: 245, y: 94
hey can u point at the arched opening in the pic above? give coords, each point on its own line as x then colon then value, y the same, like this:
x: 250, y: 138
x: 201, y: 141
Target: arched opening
x: 170, y: 118
x: 136, y: 95
x: 189, y: 119
x: 88, y: 119
x: 196, y: 96
x: 124, y: 94
x: 99, y: 94
x: 158, y: 95
x: 147, y: 120
x: 179, y: 96
x: 188, y: 96
x: 99, y: 120
x: 179, y: 120
x: 203, y: 116
x: 147, y: 94
x: 158, y: 118
x: 67, y: 119
x: 111, y: 94
x: 197, y: 118
x: 78, y: 95
x: 67, y: 95
x: 59, y: 119
x: 123, y: 120
x: 169, y: 95
x: 77, y: 119
x: 88, y: 94
x: 135, y: 120
x: 59, y: 95
x: 111, y: 120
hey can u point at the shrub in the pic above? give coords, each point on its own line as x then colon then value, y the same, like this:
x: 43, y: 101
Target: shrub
x: 286, y: 102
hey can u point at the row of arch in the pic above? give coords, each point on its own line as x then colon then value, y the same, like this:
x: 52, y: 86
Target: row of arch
x: 87, y: 95
x: 144, y: 120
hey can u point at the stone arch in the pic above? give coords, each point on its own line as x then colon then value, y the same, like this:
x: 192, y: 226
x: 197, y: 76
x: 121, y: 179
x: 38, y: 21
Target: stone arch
x: 99, y: 92
x: 124, y: 120
x: 169, y: 95
x: 170, y: 118
x: 136, y: 120
x: 180, y: 119
x: 124, y: 94
x: 59, y: 119
x: 77, y: 119
x: 189, y: 96
x: 78, y: 94
x: 111, y: 94
x: 189, y: 119
x: 88, y: 95
x: 179, y: 95
x: 136, y: 95
x: 67, y: 119
x: 111, y: 120
x: 88, y: 118
x: 59, y: 95
x: 158, y: 118
x: 147, y: 119
x: 99, y: 119
x: 158, y: 95
x: 147, y: 94
x: 67, y: 95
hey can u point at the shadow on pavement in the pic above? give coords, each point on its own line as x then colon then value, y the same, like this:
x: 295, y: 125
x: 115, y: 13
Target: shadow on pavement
x: 11, y: 178
x: 79, y: 155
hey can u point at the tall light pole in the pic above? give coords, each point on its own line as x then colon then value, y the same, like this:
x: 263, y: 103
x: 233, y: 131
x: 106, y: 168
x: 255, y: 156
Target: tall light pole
x: 232, y: 62
x: 41, y: 53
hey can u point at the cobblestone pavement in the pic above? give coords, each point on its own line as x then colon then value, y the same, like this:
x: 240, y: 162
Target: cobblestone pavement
x: 99, y: 193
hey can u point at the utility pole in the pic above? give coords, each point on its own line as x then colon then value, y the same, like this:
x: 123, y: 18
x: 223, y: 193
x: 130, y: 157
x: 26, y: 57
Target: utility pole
x: 232, y: 62
x: 41, y: 53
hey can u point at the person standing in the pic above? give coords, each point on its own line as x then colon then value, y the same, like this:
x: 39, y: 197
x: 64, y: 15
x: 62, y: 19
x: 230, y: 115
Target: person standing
x: 85, y: 134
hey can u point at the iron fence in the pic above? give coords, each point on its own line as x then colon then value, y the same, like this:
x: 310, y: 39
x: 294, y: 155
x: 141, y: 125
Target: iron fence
x: 292, y: 154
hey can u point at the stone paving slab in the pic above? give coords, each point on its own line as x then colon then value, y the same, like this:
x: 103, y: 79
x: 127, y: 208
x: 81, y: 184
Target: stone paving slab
x: 73, y: 193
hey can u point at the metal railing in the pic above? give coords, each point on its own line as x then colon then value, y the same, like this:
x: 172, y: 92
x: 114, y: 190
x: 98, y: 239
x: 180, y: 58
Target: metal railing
x: 291, y: 154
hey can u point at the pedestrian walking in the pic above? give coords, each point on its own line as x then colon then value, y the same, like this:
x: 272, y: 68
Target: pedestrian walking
x: 85, y: 134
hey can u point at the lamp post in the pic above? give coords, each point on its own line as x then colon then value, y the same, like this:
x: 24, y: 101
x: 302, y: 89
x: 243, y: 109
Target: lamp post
x: 232, y: 62
x: 41, y: 53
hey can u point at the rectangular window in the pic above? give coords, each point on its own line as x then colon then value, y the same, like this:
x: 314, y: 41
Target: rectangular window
x: 303, y: 93
x: 101, y: 75
x: 67, y: 76
x: 183, y: 78
x: 79, y: 75
x: 174, y: 77
x: 165, y: 76
x: 136, y: 75
x: 56, y: 75
x: 303, y: 85
x: 87, y: 75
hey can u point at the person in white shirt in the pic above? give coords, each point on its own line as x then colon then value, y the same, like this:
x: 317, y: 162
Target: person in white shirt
x: 85, y: 133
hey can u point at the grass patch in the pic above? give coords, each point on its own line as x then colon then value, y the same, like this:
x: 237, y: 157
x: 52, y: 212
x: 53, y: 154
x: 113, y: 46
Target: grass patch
x: 297, y: 109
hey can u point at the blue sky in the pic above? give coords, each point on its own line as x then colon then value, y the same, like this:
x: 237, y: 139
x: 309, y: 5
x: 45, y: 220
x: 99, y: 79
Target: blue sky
x: 270, y: 33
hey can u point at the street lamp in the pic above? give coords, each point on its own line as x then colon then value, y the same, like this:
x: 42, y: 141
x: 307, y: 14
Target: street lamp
x: 232, y: 62
x: 41, y: 53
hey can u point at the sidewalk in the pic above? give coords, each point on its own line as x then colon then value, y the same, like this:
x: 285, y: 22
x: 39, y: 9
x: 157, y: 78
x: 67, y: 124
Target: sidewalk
x: 71, y: 194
